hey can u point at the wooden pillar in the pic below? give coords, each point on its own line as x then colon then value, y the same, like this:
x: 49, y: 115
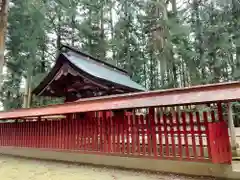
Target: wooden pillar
x: 231, y: 127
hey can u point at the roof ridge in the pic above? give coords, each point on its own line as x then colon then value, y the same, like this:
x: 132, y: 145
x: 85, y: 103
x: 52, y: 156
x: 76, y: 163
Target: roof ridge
x: 92, y: 57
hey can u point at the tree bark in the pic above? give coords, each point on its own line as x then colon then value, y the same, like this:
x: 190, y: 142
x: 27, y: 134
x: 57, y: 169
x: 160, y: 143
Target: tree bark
x: 3, y: 27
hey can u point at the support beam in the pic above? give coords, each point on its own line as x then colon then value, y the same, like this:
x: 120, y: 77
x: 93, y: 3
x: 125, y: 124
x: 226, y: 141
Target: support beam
x: 224, y: 92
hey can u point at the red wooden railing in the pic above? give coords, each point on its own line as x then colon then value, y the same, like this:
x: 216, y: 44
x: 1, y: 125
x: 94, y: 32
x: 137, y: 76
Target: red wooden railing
x: 172, y: 135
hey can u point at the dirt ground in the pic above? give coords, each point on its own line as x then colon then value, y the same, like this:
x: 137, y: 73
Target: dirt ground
x: 12, y: 168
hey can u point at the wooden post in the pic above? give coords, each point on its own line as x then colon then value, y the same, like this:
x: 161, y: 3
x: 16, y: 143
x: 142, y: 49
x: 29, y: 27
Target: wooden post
x: 231, y: 127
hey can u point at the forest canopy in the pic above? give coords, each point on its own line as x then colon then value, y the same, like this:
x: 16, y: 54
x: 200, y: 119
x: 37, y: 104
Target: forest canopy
x: 161, y: 43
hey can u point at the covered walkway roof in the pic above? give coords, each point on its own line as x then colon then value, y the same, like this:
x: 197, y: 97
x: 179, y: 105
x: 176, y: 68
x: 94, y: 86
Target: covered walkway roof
x: 223, y: 92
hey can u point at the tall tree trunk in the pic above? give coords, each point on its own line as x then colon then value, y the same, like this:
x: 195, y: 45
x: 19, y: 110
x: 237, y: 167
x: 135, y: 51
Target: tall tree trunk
x: 236, y: 26
x: 112, y: 34
x: 3, y: 26
x: 102, y: 35
x: 73, y: 30
x: 26, y: 89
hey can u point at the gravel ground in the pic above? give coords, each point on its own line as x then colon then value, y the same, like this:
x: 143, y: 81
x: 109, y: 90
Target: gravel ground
x: 12, y: 168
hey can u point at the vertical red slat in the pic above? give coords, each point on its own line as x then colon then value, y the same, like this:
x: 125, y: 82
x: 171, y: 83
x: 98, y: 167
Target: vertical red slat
x: 62, y: 133
x: 113, y: 123
x: 26, y: 134
x: 63, y: 137
x: 21, y: 136
x: 133, y: 132
x: 58, y: 134
x: 2, y: 133
x: 85, y: 133
x: 101, y: 134
x: 6, y: 134
x: 122, y: 137
x: 127, y: 120
x: 160, y: 143
x: 72, y: 133
x: 172, y: 125
x: 93, y: 134
x: 38, y: 133
x: 43, y: 134
x: 76, y: 132
x: 179, y: 138
x: 194, y: 147
x: 32, y: 127
x: 47, y: 130
x: 185, y: 134
x: 118, y: 130
x: 143, y: 135
x: 104, y: 133
x: 153, y: 133
x: 9, y: 134
x: 69, y: 132
x: 200, y: 136
x: 104, y: 124
x: 105, y: 129
x: 34, y: 134
x: 137, y: 119
x: 205, y: 118
x: 166, y: 135
x: 109, y: 134
x: 53, y: 134
x: 98, y: 132
x: 81, y: 134
x: 50, y: 134
x: 28, y: 141
x: 148, y: 135
x: 66, y: 134
x: 15, y: 133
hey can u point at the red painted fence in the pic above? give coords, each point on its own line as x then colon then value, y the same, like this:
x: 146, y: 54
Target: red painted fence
x: 177, y: 136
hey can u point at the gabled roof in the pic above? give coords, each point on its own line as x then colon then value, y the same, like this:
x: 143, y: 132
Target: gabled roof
x: 91, y: 66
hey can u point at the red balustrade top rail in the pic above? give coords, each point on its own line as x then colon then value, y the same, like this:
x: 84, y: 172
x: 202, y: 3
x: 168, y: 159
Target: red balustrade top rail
x: 180, y: 96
